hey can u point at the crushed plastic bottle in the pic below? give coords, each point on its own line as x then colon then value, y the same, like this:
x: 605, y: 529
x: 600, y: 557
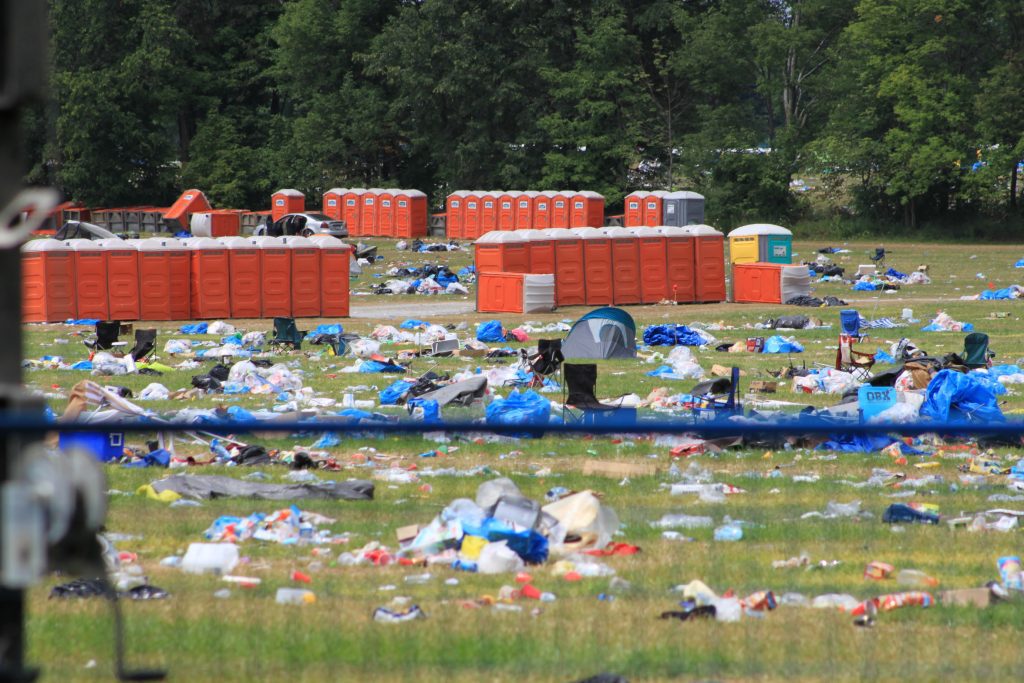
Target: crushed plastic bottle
x: 294, y: 596
x: 682, y: 521
x: 913, y: 578
x: 729, y: 532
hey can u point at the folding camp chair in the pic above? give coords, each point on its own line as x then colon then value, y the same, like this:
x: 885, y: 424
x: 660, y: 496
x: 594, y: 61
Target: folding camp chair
x: 856, y: 362
x: 145, y: 342
x: 581, y: 385
x: 976, y: 353
x: 879, y: 257
x: 547, y: 361
x: 717, y: 397
x: 107, y: 332
x: 285, y: 332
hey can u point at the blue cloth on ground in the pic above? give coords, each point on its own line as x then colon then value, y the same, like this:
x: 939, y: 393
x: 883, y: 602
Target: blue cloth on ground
x: 997, y: 294
x: 331, y: 328
x: 368, y: 366
x: 194, y: 328
x: 892, y: 272
x: 859, y: 443
x: 778, y: 344
x: 391, y: 395
x: 672, y: 335
x: 865, y: 287
x: 490, y: 331
x: 158, y: 458
x: 520, y: 408
x: 412, y: 324
x: 955, y: 397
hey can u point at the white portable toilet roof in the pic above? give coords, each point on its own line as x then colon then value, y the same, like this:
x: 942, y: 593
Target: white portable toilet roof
x: 683, y: 194
x: 493, y: 193
x: 289, y: 192
x: 674, y: 231
x: 658, y: 193
x: 202, y: 243
x: 513, y: 193
x: 297, y: 241
x: 532, y: 193
x: 620, y: 233
x: 84, y: 245
x: 328, y: 242
x: 559, y: 234
x: 759, y: 229
x: 408, y: 193
x: 45, y: 245
x: 356, y: 190
x: 460, y: 193
x: 159, y: 244
x: 702, y: 231
x: 268, y: 242
x: 502, y: 237
x: 646, y: 231
x: 116, y: 245
x: 528, y: 235
x: 590, y: 194
x: 236, y: 242
x: 639, y: 194
x: 337, y: 190
x: 375, y: 190
x: 549, y: 193
x: 590, y: 233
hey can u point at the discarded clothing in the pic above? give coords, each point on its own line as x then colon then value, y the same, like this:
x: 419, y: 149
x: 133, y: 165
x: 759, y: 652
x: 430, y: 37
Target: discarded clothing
x: 804, y: 300
x: 203, y: 487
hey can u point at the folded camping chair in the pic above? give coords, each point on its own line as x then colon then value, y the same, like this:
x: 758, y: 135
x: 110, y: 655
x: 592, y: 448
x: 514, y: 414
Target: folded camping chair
x: 547, y: 361
x: 285, y: 332
x: 879, y: 257
x: 717, y: 396
x: 581, y: 385
x: 107, y: 332
x: 145, y: 342
x: 976, y: 353
x: 856, y: 362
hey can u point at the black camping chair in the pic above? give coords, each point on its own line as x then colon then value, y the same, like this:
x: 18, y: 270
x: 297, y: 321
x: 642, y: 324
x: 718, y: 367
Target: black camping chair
x: 547, y: 361
x: 717, y: 397
x: 581, y: 385
x: 879, y: 257
x: 145, y: 342
x: 976, y: 353
x: 107, y: 332
x: 285, y: 332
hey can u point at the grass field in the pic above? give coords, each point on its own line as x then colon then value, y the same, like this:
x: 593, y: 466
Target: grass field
x: 248, y: 637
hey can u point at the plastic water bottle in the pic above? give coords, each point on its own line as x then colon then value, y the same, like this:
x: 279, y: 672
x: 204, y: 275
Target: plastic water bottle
x: 294, y: 596
x: 915, y: 579
x: 729, y: 532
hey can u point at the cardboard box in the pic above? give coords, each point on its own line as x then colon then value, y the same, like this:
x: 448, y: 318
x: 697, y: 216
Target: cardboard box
x: 966, y: 597
x: 761, y: 386
x: 406, y: 534
x: 619, y: 469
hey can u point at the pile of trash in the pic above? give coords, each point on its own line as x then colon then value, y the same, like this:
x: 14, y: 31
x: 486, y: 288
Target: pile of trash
x: 428, y: 279
x: 288, y: 526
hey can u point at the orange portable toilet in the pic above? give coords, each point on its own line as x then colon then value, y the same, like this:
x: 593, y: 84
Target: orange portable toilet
x: 597, y: 261
x: 471, y: 215
x: 542, y: 204
x: 286, y: 201
x: 122, y: 279
x: 507, y: 209
x: 410, y: 214
x: 561, y: 210
x: 455, y: 215
x: 524, y: 210
x: 47, y: 281
x: 90, y: 280
x: 489, y: 212
x: 386, y: 213
x: 368, y: 212
x: 155, y: 277
x: 679, y: 264
x: 211, y: 278
x: 633, y: 215
x: 179, y: 258
x: 334, y: 200
x: 709, y: 263
x: 570, y: 283
x: 352, y: 211
x: 335, y: 258
x: 276, y: 277
x: 755, y: 282
x: 587, y: 210
x: 218, y: 223
x: 245, y: 276
x: 540, y: 249
x: 504, y: 252
x: 653, y: 273
x: 306, y: 284
x: 625, y: 266
x: 652, y: 208
x: 190, y: 202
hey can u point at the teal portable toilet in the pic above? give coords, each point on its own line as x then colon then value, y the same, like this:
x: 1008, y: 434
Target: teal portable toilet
x: 761, y: 243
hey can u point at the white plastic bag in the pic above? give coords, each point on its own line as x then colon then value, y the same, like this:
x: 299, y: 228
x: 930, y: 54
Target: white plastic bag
x: 498, y: 558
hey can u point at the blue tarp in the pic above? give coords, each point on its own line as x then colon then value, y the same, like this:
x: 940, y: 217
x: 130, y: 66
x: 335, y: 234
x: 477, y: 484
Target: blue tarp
x: 952, y: 396
x: 778, y: 344
x: 932, y: 327
x: 672, y: 335
x: 882, y: 357
x: 529, y: 544
x: 859, y: 443
x: 194, y: 328
x: 865, y: 287
x: 391, y: 395
x: 413, y: 324
x: 892, y: 272
x: 993, y: 295
x: 334, y: 328
x: 1019, y: 264
x: 990, y: 382
x: 157, y: 458
x: 376, y: 366
x: 490, y: 331
x: 81, y: 321
x: 526, y: 408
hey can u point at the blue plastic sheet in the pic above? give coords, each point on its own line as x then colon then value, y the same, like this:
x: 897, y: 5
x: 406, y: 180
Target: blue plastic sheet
x: 778, y: 344
x: 413, y: 324
x: 882, y: 357
x: 932, y: 327
x: 466, y: 270
x: 1019, y: 264
x: 529, y: 545
x: 952, y: 396
x: 82, y: 365
x: 672, y: 335
x: 524, y: 408
x: 997, y: 294
x: 990, y: 382
x: 157, y: 458
x: 194, y: 328
x: 81, y: 321
x: 865, y: 287
x: 332, y: 328
x: 391, y: 395
x: 368, y: 366
x: 490, y: 331
x: 860, y: 443
x: 892, y: 272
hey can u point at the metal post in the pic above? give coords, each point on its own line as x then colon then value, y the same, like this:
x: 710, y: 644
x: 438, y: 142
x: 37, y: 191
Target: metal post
x: 23, y: 41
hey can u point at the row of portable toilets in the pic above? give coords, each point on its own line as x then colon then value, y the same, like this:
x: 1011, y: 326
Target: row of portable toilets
x: 662, y: 208
x: 189, y: 279
x: 375, y: 212
x: 471, y: 213
x: 600, y: 266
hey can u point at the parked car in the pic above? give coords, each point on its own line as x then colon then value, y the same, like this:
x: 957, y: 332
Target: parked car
x: 304, y: 224
x: 80, y: 230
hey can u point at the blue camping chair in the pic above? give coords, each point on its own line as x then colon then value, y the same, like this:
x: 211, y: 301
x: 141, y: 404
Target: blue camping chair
x: 847, y: 359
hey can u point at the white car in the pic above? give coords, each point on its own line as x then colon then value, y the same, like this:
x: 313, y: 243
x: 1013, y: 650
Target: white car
x: 304, y: 224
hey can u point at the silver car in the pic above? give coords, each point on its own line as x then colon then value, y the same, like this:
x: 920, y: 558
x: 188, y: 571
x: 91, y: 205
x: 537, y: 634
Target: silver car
x: 304, y: 224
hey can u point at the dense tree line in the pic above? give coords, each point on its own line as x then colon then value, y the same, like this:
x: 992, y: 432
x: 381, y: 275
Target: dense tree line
x: 907, y: 109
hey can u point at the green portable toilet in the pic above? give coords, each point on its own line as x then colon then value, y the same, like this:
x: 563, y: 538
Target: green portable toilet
x: 761, y: 243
